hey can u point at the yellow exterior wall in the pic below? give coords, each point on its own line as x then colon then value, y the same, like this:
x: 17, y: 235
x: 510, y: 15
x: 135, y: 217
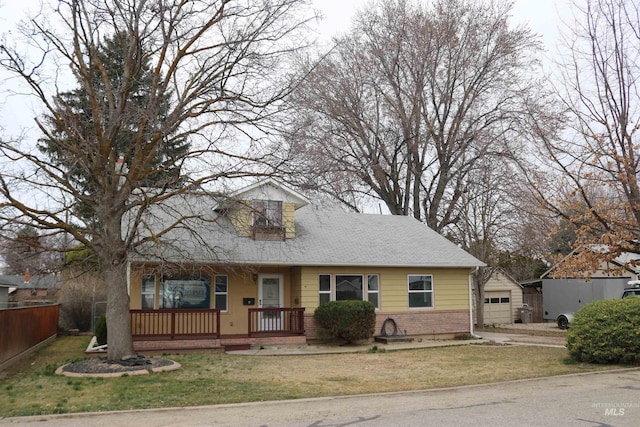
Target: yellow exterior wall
x: 300, y: 289
x: 450, y: 286
x: 288, y: 220
x: 500, y: 282
x: 240, y: 285
x: 240, y: 216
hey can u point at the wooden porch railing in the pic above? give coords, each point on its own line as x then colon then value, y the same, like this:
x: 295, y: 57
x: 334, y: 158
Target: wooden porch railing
x: 175, y: 324
x: 276, y: 321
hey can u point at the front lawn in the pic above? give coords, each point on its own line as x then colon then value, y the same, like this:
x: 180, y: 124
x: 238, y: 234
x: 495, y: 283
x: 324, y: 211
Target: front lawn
x: 209, y: 379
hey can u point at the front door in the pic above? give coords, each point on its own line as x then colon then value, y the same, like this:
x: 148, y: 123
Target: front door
x: 270, y: 296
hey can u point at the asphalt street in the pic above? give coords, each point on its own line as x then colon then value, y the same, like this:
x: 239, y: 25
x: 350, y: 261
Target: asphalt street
x: 591, y: 399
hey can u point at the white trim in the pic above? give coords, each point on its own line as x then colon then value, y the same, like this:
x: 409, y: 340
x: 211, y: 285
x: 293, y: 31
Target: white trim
x: 433, y: 292
x: 215, y: 293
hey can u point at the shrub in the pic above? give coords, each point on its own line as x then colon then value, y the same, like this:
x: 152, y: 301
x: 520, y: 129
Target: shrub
x: 77, y: 297
x: 606, y: 331
x: 347, y: 320
x: 101, y: 330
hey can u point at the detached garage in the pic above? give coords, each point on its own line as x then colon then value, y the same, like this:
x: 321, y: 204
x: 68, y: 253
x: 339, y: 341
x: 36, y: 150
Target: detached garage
x: 502, y: 297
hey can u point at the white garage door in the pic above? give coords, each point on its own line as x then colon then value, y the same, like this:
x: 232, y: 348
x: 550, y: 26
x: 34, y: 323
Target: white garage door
x: 497, y: 307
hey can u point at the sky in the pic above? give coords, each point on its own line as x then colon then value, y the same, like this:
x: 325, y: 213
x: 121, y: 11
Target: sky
x: 540, y: 15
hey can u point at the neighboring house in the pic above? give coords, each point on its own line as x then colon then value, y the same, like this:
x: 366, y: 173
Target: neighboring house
x: 259, y: 267
x: 4, y: 296
x: 502, y: 299
x: 30, y: 287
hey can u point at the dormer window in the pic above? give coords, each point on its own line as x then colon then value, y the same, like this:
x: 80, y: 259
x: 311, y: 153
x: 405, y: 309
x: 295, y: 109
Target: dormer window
x: 267, y: 220
x: 267, y: 213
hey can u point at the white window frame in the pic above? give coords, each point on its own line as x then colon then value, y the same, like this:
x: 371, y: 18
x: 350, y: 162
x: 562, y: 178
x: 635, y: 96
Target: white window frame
x: 216, y: 293
x: 321, y: 292
x: 365, y: 286
x: 431, y: 291
x: 376, y: 292
x: 148, y: 292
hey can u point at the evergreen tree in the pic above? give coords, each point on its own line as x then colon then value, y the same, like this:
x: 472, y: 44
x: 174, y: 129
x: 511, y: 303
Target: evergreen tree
x: 132, y: 94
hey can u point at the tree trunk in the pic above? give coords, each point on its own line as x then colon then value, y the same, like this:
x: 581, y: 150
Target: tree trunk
x: 119, y: 340
x: 479, y: 291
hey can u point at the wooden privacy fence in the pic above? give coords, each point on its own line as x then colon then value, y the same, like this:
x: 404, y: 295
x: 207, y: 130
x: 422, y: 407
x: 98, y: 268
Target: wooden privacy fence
x: 276, y: 321
x: 175, y: 324
x: 24, y: 327
x: 534, y: 301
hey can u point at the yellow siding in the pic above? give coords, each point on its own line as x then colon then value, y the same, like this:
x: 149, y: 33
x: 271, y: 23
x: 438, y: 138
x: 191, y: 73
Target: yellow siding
x: 240, y: 216
x: 288, y: 220
x: 296, y: 288
x: 500, y: 282
x: 450, y: 286
x: 135, y: 290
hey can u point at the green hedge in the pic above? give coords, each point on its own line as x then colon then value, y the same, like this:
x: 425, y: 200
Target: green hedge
x: 347, y: 320
x: 606, y: 331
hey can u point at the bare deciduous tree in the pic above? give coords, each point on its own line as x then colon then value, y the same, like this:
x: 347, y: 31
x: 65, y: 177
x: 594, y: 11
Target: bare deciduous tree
x: 220, y: 63
x: 406, y: 104
x: 488, y: 223
x: 597, y: 156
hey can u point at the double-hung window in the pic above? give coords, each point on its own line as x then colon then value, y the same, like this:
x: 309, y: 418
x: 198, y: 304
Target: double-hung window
x: 148, y: 296
x: 420, y: 291
x: 324, y: 288
x: 221, y: 293
x: 373, y: 289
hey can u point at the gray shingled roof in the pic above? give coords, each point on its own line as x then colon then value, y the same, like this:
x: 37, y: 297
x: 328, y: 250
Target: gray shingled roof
x: 324, y: 237
x: 35, y: 282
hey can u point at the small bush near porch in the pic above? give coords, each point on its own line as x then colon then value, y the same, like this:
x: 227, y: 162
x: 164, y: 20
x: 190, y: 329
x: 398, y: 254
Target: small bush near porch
x: 348, y: 320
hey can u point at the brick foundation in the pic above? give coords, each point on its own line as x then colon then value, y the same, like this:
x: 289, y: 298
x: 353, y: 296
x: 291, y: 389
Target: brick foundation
x: 215, y: 344
x: 419, y: 322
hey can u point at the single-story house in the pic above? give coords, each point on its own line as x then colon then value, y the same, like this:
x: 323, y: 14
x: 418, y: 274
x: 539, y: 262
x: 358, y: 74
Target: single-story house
x: 23, y: 287
x: 502, y: 299
x: 253, y: 268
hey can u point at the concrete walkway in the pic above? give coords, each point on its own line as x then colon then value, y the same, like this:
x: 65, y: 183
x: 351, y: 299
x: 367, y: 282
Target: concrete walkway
x: 519, y: 336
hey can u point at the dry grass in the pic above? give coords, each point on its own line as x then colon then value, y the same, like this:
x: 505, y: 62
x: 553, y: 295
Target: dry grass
x: 220, y: 378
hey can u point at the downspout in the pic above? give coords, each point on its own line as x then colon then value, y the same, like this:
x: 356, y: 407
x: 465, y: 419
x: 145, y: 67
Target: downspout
x: 471, y: 305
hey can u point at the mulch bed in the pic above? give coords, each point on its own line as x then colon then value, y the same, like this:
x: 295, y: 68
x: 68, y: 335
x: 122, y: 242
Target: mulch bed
x: 101, y: 366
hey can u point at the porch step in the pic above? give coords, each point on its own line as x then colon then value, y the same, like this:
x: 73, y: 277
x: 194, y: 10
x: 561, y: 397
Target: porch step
x: 234, y: 347
x: 395, y: 338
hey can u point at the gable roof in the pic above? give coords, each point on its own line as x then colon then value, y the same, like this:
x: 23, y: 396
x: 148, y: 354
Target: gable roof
x: 503, y: 272
x: 269, y: 189
x: 324, y: 237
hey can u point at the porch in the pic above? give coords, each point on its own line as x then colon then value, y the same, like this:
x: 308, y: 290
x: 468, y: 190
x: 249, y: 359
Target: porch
x: 197, y: 329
